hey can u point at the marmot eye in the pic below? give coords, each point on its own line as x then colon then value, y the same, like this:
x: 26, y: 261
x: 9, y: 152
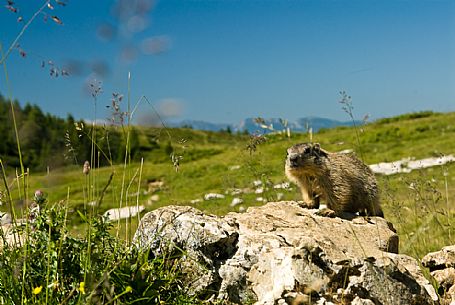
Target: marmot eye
x: 294, y: 158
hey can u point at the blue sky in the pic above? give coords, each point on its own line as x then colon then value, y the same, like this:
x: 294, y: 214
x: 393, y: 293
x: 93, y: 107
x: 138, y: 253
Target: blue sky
x: 222, y: 61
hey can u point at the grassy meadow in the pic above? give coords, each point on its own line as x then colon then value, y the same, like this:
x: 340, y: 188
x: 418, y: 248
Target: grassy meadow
x: 193, y: 163
x: 220, y: 162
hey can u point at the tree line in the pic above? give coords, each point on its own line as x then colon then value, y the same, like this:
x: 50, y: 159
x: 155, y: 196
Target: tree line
x: 47, y: 141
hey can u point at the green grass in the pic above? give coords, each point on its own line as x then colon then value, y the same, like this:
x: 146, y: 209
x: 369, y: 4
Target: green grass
x: 418, y: 204
x: 54, y: 267
x: 208, y: 157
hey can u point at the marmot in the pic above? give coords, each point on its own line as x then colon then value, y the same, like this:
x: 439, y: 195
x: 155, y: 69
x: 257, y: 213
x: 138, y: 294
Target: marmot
x: 342, y: 180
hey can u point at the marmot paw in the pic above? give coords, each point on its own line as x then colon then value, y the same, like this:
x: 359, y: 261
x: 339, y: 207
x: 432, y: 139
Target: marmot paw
x: 309, y: 205
x: 326, y: 213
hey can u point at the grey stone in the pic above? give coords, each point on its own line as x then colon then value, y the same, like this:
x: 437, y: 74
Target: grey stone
x: 440, y: 259
x: 442, y: 267
x: 281, y: 252
x: 122, y: 213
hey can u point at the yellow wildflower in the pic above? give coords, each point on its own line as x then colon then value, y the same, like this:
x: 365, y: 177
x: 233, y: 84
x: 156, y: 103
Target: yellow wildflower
x: 128, y: 289
x: 82, y: 287
x: 37, y: 290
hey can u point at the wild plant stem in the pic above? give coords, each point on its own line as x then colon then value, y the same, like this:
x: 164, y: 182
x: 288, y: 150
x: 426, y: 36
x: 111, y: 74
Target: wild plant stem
x: 359, y: 146
x: 348, y: 108
x: 144, y: 98
x: 13, y: 114
x: 127, y: 192
x: 24, y: 28
x: 63, y: 231
x: 138, y: 190
x: 10, y: 198
x: 24, y: 265
x: 27, y: 245
x: 100, y: 150
x: 127, y: 151
x: 447, y: 204
x: 129, y: 99
x: 18, y: 181
x: 93, y: 152
x: 91, y: 191
x: 103, y: 192
x: 48, y: 268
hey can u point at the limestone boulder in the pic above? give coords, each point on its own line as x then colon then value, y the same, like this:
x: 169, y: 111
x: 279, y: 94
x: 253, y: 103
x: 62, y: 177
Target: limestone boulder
x: 123, y: 213
x: 281, y: 253
x: 442, y: 267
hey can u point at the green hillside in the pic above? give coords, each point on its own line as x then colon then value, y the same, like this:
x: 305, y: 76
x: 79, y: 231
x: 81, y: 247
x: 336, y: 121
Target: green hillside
x: 219, y: 162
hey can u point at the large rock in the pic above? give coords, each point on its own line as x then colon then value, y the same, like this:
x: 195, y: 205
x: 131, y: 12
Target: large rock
x: 442, y: 267
x: 281, y: 253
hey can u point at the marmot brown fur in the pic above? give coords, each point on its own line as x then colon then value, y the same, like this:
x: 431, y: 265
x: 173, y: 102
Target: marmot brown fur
x: 342, y: 180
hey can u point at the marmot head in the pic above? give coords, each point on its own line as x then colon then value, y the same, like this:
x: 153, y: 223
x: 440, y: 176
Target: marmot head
x: 305, y: 156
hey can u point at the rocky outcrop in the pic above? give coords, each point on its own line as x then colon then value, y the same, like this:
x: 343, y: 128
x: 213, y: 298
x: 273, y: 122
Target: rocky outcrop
x: 281, y: 253
x: 442, y: 267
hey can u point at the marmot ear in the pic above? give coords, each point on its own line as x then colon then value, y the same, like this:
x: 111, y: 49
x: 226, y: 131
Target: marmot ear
x: 318, y: 151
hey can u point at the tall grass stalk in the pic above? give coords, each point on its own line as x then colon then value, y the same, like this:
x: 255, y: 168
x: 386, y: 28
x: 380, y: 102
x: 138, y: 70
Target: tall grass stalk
x: 27, y: 232
x: 12, y: 210
x: 13, y: 115
x: 22, y: 171
x: 129, y: 211
x: 138, y: 190
x: 346, y: 101
x: 445, y: 173
x: 48, y: 267
x: 9, y: 196
x: 127, y: 159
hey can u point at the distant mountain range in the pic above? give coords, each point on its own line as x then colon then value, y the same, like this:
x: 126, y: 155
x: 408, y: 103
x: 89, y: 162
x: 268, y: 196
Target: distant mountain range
x: 266, y: 125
